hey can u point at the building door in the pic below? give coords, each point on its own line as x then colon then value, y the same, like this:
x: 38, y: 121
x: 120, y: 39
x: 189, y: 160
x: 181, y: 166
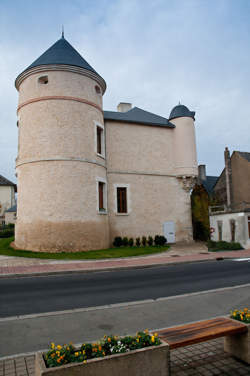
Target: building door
x: 169, y: 231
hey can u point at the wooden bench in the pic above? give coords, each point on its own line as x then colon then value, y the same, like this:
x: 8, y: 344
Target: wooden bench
x: 236, y: 335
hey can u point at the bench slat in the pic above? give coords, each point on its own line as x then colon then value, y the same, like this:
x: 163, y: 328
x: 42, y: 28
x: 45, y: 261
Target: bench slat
x: 190, y: 334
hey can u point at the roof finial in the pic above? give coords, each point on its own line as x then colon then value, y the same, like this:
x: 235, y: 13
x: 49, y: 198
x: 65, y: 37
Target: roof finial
x: 179, y: 103
x: 62, y: 31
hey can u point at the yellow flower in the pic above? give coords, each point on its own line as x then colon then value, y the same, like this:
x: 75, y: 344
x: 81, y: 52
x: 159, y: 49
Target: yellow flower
x: 52, y: 345
x: 76, y: 354
x: 85, y: 361
x: 109, y: 339
x: 153, y: 339
x: 67, y: 347
x: 59, y: 347
x: 137, y: 340
x: 103, y: 353
x: 146, y: 331
x: 84, y: 352
x: 57, y: 353
x: 156, y: 334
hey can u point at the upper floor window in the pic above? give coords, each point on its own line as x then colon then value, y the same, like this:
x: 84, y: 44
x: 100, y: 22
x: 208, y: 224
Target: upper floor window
x: 101, y: 196
x: 99, y: 140
x: 97, y: 89
x: 43, y: 80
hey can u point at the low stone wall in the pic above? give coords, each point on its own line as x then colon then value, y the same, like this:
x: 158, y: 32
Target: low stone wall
x: 239, y: 345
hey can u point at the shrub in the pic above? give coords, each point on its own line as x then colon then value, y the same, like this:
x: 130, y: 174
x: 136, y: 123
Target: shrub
x: 223, y: 246
x: 125, y: 241
x: 131, y: 242
x: 150, y: 241
x: 117, y: 241
x: 138, y: 242
x: 160, y: 240
x: 6, y: 233
x: 243, y: 315
x: 109, y: 345
x: 156, y: 239
x: 144, y: 241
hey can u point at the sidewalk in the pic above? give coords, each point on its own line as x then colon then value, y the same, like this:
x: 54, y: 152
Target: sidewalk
x: 196, y: 252
x: 205, y: 359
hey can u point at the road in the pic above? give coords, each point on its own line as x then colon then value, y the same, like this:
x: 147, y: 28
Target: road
x: 20, y: 296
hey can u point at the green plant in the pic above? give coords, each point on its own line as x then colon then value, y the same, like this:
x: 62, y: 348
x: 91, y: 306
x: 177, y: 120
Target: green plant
x: 138, y: 242
x: 223, y: 246
x: 6, y: 233
x: 150, y: 241
x: 144, y: 241
x: 160, y: 240
x: 243, y: 315
x: 109, y: 345
x: 117, y: 241
x: 131, y: 242
x: 125, y: 241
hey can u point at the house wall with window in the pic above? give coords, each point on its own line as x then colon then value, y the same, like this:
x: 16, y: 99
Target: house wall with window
x: 141, y: 160
x: 86, y: 175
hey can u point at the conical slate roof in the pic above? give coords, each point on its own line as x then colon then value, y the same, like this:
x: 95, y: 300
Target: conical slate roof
x: 181, y: 111
x: 62, y: 52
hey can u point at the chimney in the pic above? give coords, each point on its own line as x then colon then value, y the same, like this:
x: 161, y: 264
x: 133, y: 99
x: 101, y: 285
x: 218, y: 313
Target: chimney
x: 228, y: 172
x: 202, y: 173
x: 124, y: 107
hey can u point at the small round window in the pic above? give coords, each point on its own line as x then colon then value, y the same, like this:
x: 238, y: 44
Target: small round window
x: 97, y: 89
x: 43, y: 80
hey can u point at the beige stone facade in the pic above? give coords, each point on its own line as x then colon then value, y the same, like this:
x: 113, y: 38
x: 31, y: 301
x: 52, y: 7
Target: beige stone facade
x: 63, y: 164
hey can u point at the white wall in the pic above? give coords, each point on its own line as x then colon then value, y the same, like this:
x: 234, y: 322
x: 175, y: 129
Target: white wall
x: 241, y: 227
x: 7, y: 198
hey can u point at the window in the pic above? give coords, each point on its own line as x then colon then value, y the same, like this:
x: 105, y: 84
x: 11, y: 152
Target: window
x: 232, y: 228
x: 101, y: 196
x: 99, y: 132
x: 99, y: 140
x: 122, y: 200
x: 43, y: 80
x: 249, y: 227
x: 97, y: 89
x: 219, y: 224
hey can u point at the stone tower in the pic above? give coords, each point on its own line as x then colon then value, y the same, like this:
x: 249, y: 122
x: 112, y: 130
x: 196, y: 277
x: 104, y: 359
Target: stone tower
x: 184, y: 141
x: 61, y: 165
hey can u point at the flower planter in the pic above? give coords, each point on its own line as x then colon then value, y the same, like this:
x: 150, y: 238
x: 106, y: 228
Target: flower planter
x: 153, y: 360
x: 239, y: 345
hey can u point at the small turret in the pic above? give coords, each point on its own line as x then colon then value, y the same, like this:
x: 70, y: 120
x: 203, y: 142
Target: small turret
x: 184, y: 141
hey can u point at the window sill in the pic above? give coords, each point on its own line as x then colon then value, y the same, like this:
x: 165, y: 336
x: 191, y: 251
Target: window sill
x: 121, y: 213
x: 102, y: 212
x: 101, y: 156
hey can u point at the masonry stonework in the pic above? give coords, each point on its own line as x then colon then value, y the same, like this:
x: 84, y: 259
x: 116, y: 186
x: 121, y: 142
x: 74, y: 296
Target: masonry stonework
x: 58, y: 167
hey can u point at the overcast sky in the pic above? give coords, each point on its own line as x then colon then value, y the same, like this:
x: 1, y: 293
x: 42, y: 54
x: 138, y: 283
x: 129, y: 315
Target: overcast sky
x: 152, y: 53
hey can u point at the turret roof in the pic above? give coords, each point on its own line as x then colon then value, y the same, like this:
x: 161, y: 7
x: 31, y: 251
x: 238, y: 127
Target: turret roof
x: 181, y: 111
x: 61, y: 52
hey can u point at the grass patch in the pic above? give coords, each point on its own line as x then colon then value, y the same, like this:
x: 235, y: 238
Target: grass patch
x: 7, y: 250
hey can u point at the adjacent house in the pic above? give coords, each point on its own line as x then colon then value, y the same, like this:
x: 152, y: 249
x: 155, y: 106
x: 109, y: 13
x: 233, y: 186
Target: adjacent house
x: 7, y: 196
x: 230, y: 217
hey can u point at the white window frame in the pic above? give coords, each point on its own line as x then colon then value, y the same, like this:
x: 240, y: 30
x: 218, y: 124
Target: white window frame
x: 99, y: 125
x: 105, y: 195
x: 128, y: 198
